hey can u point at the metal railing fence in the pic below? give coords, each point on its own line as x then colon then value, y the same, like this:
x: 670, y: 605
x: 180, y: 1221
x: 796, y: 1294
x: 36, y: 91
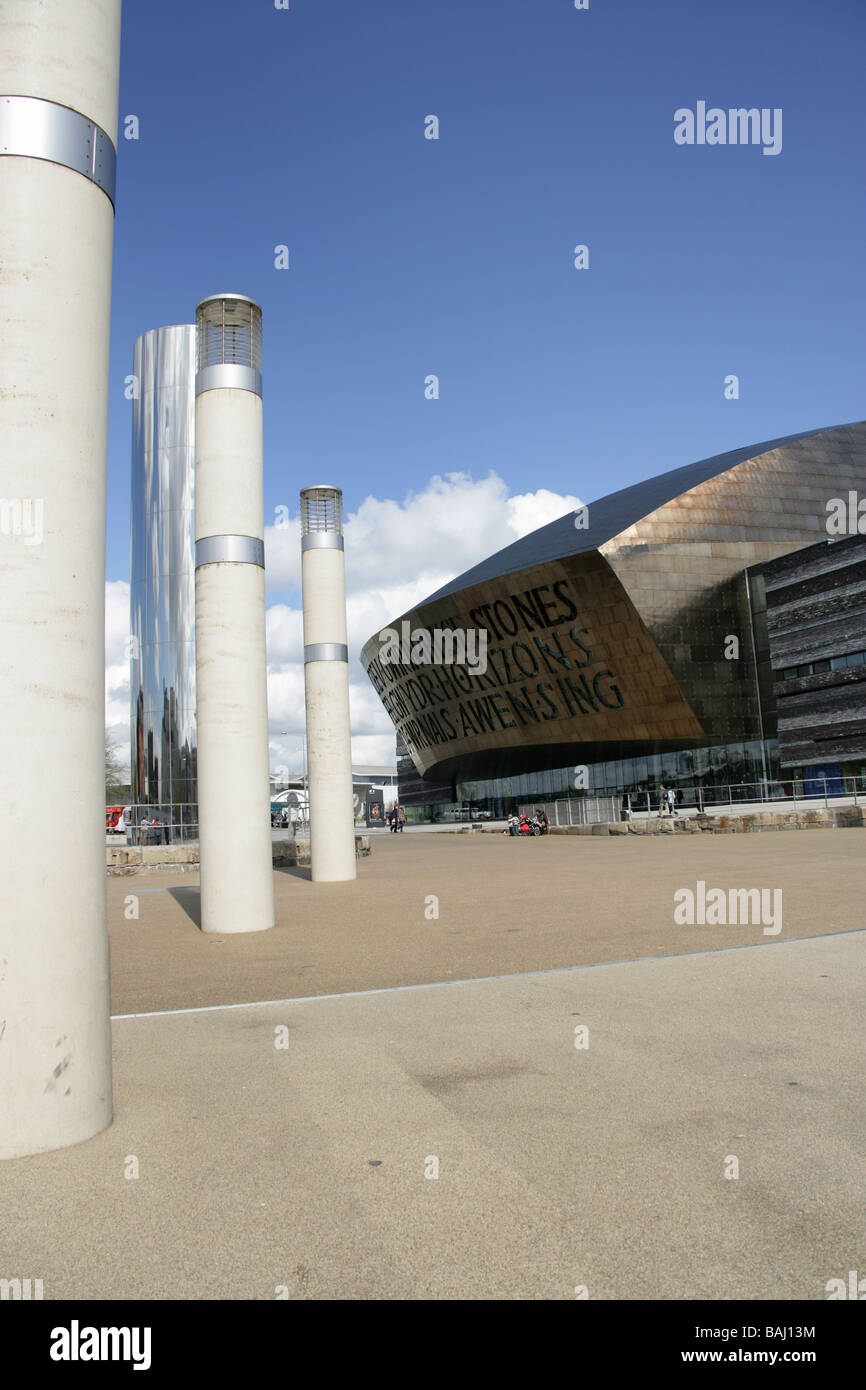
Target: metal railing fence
x: 716, y: 800
x: 582, y: 810
x: 166, y: 824
x: 178, y: 824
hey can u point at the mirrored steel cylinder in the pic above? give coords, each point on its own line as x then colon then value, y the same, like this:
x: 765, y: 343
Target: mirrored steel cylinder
x: 162, y: 590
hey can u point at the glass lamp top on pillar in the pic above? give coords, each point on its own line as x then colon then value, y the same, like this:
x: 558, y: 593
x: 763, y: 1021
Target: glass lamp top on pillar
x: 321, y: 513
x: 228, y: 343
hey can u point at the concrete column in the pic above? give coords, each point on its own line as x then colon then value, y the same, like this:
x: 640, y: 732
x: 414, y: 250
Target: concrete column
x: 237, y: 879
x: 326, y: 685
x: 58, y: 133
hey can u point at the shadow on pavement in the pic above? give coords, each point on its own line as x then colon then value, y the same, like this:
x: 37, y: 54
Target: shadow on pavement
x: 295, y: 872
x: 190, y: 900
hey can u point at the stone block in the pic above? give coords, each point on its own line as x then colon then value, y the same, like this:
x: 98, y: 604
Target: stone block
x: 170, y: 854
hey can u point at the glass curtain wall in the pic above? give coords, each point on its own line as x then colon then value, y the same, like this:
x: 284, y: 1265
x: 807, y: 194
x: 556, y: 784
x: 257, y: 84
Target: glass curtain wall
x: 728, y: 764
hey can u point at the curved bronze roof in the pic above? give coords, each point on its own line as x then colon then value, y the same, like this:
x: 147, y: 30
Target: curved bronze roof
x: 609, y: 516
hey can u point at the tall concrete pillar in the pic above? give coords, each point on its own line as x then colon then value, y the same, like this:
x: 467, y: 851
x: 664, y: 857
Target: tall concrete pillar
x: 58, y: 133
x: 326, y: 686
x: 237, y: 879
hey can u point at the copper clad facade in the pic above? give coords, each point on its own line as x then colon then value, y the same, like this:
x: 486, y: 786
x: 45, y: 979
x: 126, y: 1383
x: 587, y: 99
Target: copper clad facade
x: 611, y: 641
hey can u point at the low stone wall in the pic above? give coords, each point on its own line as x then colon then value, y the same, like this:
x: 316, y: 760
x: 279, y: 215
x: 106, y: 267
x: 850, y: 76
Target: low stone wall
x: 136, y: 859
x: 842, y: 817
x: 292, y: 854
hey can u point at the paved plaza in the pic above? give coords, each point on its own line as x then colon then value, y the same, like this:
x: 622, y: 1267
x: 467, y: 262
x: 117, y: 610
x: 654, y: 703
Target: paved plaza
x: 291, y: 1148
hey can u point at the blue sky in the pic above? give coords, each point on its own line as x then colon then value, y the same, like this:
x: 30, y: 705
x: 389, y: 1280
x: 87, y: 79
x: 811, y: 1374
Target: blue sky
x: 454, y: 257
x: 410, y: 256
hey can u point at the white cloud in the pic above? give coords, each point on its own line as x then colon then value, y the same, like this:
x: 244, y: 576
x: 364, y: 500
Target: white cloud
x: 396, y: 554
x: 529, y: 510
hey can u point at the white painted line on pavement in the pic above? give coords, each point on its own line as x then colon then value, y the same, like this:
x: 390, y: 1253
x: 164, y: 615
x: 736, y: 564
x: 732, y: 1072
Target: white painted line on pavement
x: 489, y: 979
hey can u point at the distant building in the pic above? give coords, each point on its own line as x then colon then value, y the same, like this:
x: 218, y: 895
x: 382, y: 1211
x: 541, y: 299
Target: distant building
x: 366, y: 778
x: 810, y: 612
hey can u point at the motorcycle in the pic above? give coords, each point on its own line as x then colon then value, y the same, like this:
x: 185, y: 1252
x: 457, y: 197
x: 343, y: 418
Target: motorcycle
x: 533, y: 826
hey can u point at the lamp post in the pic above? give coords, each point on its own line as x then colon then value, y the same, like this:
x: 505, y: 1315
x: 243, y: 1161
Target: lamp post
x: 326, y: 686
x: 237, y: 880
x: 302, y: 749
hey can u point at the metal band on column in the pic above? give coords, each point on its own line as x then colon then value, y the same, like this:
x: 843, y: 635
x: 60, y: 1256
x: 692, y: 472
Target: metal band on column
x: 326, y: 651
x: 38, y: 129
x: 232, y: 550
x: 228, y: 375
x: 322, y: 540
